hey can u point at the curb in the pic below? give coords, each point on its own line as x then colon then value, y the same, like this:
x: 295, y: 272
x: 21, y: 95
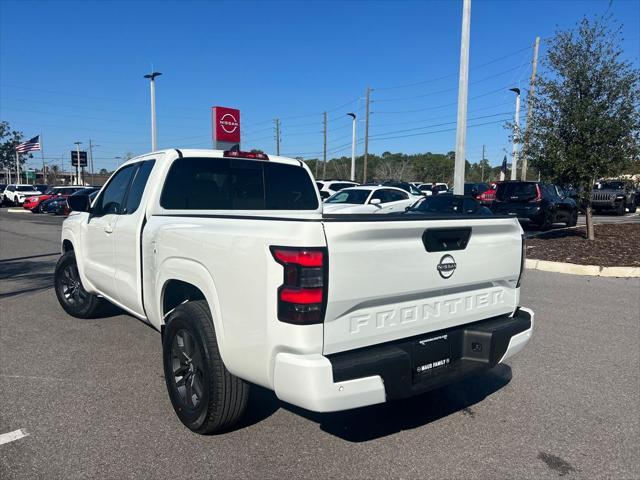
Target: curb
x: 18, y: 210
x: 574, y: 269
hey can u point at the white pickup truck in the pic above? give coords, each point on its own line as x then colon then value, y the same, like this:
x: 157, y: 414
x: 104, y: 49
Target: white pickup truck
x: 230, y: 257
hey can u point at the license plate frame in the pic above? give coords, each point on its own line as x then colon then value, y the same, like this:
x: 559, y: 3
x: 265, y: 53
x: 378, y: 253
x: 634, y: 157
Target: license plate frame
x: 430, y: 354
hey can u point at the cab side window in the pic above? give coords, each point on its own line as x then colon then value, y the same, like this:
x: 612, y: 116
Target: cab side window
x: 111, y: 201
x: 395, y: 196
x: 137, y: 186
x: 381, y: 195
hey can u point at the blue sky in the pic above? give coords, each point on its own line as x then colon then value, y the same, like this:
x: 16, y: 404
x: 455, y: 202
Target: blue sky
x: 75, y: 70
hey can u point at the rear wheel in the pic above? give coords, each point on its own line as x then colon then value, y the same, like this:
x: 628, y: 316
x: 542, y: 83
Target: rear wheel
x: 73, y: 298
x: 205, y: 396
x: 547, y: 220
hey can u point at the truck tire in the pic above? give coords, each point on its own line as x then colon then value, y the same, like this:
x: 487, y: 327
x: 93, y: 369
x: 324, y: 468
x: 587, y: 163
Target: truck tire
x: 73, y: 298
x: 205, y: 396
x: 621, y: 209
x: 573, y: 218
x: 632, y: 207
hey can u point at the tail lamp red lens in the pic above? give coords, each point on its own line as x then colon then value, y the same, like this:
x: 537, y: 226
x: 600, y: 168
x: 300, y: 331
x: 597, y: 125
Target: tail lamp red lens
x: 538, y: 194
x: 302, y: 296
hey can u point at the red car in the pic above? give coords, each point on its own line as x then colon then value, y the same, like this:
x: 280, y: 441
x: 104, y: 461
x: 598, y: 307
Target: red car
x: 488, y: 196
x: 35, y: 203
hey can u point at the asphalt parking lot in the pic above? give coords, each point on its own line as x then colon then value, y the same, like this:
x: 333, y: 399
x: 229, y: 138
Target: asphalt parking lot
x: 91, y: 395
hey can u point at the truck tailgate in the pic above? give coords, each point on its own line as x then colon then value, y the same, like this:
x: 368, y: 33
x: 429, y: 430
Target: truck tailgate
x: 384, y: 285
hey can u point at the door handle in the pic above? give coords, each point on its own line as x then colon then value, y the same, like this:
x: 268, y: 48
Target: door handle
x: 108, y: 229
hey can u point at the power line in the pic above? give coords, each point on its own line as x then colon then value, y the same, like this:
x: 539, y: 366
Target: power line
x: 422, y: 82
x: 439, y: 106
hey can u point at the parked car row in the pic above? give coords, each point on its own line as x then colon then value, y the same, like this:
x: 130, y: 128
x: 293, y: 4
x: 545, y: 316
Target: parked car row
x: 40, y: 198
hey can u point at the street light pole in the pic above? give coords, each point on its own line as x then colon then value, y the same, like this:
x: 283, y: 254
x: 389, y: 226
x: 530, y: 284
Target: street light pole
x: 353, y: 147
x: 91, y: 147
x: 463, y: 88
x: 516, y: 133
x: 152, y: 77
x: 78, y: 162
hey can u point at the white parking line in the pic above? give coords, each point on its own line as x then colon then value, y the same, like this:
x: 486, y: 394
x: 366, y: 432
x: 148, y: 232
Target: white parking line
x: 13, y: 436
x: 18, y: 210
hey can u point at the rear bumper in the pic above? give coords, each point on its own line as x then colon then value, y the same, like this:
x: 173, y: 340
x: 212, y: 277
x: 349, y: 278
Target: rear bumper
x: 379, y: 373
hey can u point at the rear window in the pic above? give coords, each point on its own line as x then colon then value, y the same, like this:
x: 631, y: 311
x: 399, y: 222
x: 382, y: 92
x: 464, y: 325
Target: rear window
x: 516, y: 190
x: 236, y: 184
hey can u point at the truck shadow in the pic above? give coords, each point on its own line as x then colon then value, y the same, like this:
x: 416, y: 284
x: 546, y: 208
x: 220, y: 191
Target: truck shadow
x: 376, y: 421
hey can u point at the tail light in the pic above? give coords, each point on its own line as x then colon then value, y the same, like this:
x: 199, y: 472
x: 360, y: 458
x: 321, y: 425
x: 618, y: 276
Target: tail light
x: 538, y: 194
x: 523, y: 257
x: 302, y: 297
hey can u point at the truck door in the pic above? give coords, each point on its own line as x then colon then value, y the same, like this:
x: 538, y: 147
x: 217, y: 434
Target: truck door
x: 127, y: 247
x: 99, y: 243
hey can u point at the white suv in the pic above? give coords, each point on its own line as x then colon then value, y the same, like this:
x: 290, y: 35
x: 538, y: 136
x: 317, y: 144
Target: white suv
x: 16, y: 194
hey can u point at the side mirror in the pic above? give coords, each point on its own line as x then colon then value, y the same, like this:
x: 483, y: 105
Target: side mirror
x: 376, y: 202
x: 79, y: 203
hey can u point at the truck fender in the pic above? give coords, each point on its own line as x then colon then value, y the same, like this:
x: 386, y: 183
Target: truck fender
x: 69, y: 236
x: 196, y: 274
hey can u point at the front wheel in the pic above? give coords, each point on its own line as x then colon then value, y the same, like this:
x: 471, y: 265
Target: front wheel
x: 73, y: 298
x: 621, y: 209
x: 632, y: 208
x: 573, y: 218
x: 205, y: 396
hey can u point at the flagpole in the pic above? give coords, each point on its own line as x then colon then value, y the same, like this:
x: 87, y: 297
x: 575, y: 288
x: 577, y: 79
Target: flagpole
x: 44, y: 173
x: 17, y: 168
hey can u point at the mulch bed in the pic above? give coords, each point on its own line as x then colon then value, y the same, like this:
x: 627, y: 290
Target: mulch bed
x: 616, y: 245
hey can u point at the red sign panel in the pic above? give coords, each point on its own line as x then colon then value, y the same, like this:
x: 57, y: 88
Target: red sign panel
x: 226, y: 124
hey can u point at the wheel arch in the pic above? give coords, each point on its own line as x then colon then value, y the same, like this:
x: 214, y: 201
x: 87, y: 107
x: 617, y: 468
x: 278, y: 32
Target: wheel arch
x: 180, y: 280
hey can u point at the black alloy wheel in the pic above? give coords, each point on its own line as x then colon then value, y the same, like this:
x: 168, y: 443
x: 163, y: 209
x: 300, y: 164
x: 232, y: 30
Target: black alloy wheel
x: 72, y: 296
x: 188, y: 369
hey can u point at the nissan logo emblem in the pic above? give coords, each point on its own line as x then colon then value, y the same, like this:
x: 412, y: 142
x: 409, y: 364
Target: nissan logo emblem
x: 228, y: 123
x: 447, y: 266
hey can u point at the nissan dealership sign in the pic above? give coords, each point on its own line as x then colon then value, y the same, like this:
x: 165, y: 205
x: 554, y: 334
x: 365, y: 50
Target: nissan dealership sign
x: 226, y: 127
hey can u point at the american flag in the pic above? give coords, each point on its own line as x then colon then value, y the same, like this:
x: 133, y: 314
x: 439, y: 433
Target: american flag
x: 32, y: 145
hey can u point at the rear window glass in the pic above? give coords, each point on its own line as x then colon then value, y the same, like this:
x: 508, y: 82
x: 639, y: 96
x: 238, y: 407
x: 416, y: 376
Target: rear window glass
x: 518, y: 190
x: 235, y: 184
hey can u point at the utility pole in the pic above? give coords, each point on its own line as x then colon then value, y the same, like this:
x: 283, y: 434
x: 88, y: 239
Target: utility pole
x: 78, y: 162
x: 366, y: 135
x: 277, y: 122
x: 516, y: 135
x: 532, y: 84
x: 353, y: 148
x: 482, y: 165
x: 154, y: 139
x: 324, y: 149
x: 463, y: 88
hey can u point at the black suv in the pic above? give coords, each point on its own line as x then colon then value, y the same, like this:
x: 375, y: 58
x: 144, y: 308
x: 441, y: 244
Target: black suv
x: 536, y: 203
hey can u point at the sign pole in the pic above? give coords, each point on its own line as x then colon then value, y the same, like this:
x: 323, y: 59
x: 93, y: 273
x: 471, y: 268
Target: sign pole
x: 77, y: 162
